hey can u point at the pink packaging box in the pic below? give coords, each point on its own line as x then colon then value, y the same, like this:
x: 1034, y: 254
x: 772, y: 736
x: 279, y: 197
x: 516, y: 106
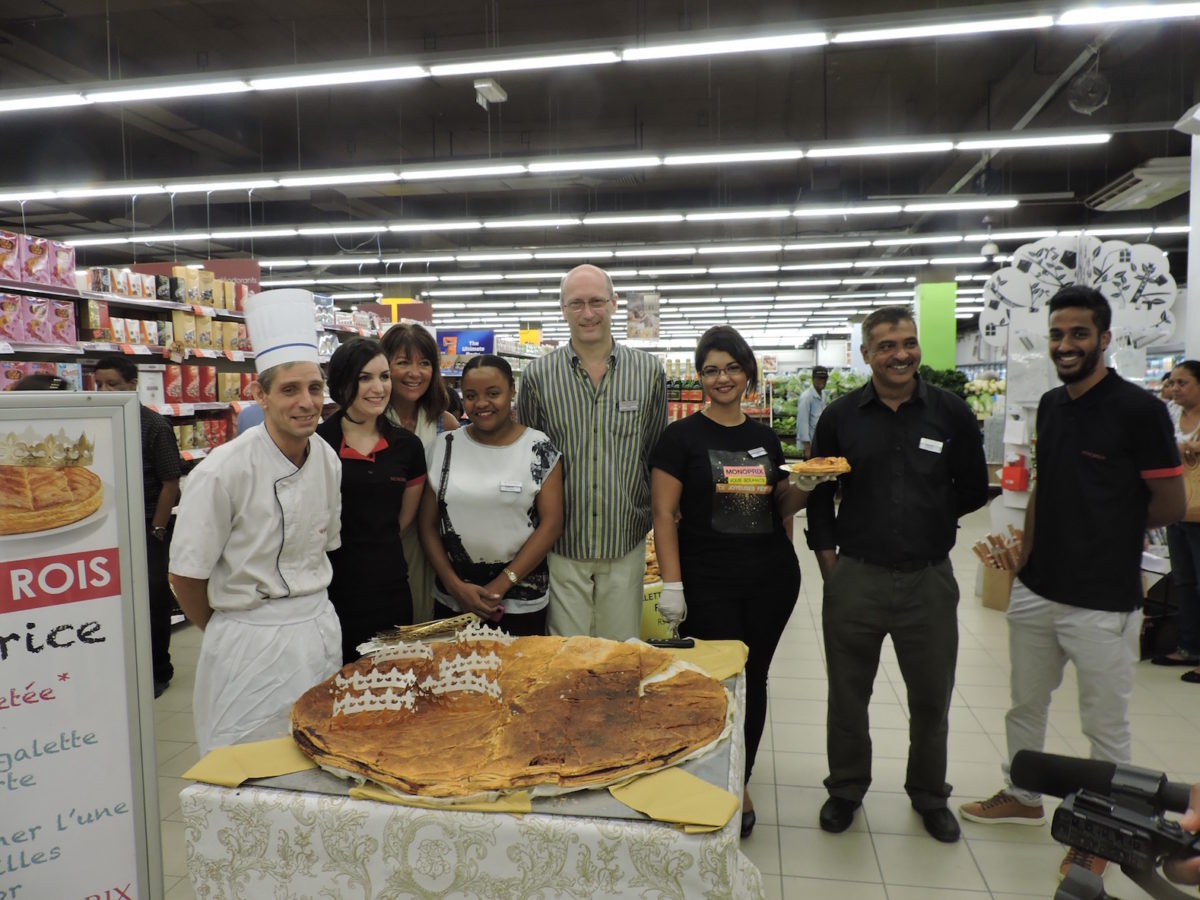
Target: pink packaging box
x: 62, y: 322
x: 12, y: 319
x: 63, y: 269
x: 37, y: 320
x: 36, y: 260
x: 10, y: 256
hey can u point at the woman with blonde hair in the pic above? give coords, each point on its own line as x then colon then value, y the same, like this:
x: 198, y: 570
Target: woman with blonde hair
x: 418, y: 404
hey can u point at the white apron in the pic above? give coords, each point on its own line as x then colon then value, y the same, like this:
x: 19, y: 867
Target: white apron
x: 254, y: 664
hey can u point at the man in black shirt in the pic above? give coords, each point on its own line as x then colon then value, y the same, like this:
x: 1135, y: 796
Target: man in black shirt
x: 161, y: 469
x: 916, y: 459
x: 1107, y: 469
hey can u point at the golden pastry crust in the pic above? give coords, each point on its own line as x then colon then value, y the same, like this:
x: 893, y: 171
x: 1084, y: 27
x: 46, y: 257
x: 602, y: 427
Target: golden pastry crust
x: 569, y: 715
x: 821, y: 465
x: 36, y: 499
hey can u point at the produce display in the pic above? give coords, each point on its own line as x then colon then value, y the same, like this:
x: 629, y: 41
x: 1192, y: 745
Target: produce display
x: 786, y: 393
x: 981, y: 395
x: 487, y: 712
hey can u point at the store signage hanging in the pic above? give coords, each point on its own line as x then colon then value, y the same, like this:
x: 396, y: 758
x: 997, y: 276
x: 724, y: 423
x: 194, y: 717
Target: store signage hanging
x: 458, y: 345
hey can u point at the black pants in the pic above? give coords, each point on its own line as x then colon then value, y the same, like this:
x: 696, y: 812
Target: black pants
x: 516, y: 624
x: 864, y: 603
x: 162, y: 602
x: 754, y: 611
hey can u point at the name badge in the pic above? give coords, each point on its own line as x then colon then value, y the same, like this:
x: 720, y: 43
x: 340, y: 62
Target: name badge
x: 757, y: 452
x: 627, y: 406
x: 931, y: 445
x: 511, y: 487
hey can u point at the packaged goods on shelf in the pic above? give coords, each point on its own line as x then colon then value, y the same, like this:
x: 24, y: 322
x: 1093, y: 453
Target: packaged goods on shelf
x: 10, y: 374
x: 37, y: 260
x: 229, y: 387
x: 150, y: 387
x: 229, y: 336
x: 62, y: 322
x: 98, y: 325
x: 162, y: 287
x: 117, y: 325
x: 247, y: 381
x: 208, y: 384
x: 12, y: 319
x: 37, y: 320
x: 71, y: 373
x: 10, y: 256
x: 243, y: 337
x: 191, y: 384
x: 63, y: 270
x: 207, y: 281
x: 166, y: 333
x: 204, y: 339
x: 184, y: 327
x: 173, y: 383
x: 100, y: 280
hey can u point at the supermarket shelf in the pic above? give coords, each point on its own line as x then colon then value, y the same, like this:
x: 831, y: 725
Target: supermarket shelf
x: 192, y: 455
x: 7, y: 349
x: 59, y: 291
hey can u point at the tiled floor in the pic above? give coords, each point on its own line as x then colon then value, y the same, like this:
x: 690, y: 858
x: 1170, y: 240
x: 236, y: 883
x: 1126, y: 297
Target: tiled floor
x: 886, y: 855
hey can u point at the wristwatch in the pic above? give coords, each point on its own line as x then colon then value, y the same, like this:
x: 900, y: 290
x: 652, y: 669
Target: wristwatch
x: 512, y: 576
x: 159, y: 532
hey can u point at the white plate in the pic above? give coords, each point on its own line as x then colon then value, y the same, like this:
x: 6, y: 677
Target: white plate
x: 106, y: 506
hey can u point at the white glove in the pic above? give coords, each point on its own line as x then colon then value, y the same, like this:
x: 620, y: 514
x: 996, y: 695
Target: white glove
x: 671, y: 605
x: 808, y: 483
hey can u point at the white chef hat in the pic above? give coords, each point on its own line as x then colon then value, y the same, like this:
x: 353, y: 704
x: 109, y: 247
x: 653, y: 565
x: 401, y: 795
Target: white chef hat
x: 282, y: 326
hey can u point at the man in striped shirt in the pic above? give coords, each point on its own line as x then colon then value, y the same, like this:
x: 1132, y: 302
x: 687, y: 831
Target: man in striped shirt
x: 604, y: 406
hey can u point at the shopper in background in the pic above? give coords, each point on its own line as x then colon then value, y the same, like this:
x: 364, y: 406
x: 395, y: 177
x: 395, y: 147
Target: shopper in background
x: 418, y: 404
x: 604, y: 406
x: 917, y: 465
x: 493, y: 508
x: 161, y: 471
x: 1107, y: 469
x: 383, y: 474
x: 808, y: 410
x: 1183, y: 538
x: 719, y: 500
x: 249, y: 562
x: 1166, y: 391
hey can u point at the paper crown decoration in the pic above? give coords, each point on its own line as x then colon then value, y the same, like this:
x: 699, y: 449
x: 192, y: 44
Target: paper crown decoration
x: 1135, y: 279
x: 282, y: 326
x: 54, y: 451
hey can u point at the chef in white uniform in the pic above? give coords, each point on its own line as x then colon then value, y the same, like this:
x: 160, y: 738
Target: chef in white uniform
x: 248, y: 561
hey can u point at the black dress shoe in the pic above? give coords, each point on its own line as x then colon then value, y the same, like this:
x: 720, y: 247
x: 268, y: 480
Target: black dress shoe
x: 1166, y: 659
x: 748, y: 820
x: 941, y: 824
x: 1190, y: 677
x: 837, y: 814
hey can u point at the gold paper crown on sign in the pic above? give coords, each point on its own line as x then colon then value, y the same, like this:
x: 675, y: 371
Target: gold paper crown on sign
x: 55, y: 451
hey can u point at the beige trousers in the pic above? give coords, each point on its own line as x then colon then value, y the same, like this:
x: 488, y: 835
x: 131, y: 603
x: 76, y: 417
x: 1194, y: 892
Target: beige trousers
x: 597, y: 597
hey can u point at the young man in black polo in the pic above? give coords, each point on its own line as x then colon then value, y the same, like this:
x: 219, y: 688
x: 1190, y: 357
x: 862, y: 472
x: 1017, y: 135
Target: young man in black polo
x: 917, y: 464
x: 1107, y: 469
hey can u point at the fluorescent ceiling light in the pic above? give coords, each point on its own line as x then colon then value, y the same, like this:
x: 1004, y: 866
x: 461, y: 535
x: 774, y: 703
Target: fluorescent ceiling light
x: 1115, y: 232
x: 481, y: 276
x: 740, y: 248
x: 491, y: 257
x: 1032, y: 235
x: 1173, y: 229
x: 432, y: 172
x: 345, y: 261
x: 960, y: 205
x: 528, y: 290
x: 283, y: 263
x: 25, y: 196
x: 807, y: 267
x: 709, y: 159
x: 658, y: 251
x: 737, y: 270
x: 828, y: 245
x: 811, y: 282
x: 405, y: 279
x: 1141, y: 12
x: 957, y: 260
x: 648, y: 218
x: 876, y: 280
x: 253, y: 233
x: 95, y: 242
x: 45, y: 101
x: 531, y: 223
x: 123, y: 191
x: 403, y: 260
x: 947, y: 29
x: 588, y: 165
x: 408, y: 227
x: 688, y: 270
x: 339, y: 229
x: 887, y: 263
x: 453, y: 293
x: 1011, y: 143
x: 525, y: 63
x: 738, y: 45
x: 350, y: 178
x: 881, y: 149
x: 329, y: 79
x: 204, y: 89
x: 918, y: 239
x: 170, y: 238
x: 823, y: 211
x: 207, y: 187
x: 698, y: 286
x: 574, y: 254
x: 732, y: 215
x: 746, y: 285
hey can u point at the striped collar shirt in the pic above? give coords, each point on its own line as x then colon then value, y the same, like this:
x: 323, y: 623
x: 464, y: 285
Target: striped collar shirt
x: 606, y: 433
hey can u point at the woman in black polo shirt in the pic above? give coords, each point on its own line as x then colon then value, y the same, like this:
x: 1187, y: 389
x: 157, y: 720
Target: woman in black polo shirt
x: 719, y: 499
x: 383, y: 474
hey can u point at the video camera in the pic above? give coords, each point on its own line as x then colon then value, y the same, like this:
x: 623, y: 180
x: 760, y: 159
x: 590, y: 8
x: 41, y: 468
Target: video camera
x: 1114, y: 812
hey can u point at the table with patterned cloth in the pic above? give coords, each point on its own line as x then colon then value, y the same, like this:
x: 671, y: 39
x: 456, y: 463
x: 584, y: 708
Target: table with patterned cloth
x: 265, y: 842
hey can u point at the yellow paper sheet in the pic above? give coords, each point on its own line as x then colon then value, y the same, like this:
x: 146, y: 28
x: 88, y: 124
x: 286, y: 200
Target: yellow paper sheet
x: 674, y: 795
x: 511, y: 803
x: 720, y: 659
x: 230, y: 766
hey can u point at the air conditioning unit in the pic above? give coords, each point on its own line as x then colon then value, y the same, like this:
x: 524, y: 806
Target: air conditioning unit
x: 1155, y: 181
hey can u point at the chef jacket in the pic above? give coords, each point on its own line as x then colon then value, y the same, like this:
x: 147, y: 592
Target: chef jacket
x: 255, y: 526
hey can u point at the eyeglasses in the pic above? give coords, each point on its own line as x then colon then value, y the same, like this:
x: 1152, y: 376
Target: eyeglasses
x: 733, y: 370
x: 596, y: 304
